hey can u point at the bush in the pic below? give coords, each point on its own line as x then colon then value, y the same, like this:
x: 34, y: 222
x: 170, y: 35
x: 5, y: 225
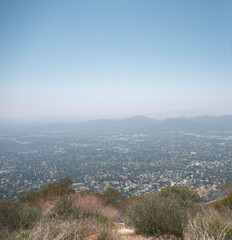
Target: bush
x: 55, y: 189
x: 15, y: 216
x: 31, y: 198
x: 209, y: 224
x: 152, y: 215
x: 225, y: 202
x: 183, y: 193
x: 35, y: 198
x: 112, y: 197
x: 65, y: 181
x: 67, y: 210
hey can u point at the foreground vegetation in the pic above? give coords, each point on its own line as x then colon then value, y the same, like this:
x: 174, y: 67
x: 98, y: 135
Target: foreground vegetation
x: 57, y: 212
x: 176, y: 211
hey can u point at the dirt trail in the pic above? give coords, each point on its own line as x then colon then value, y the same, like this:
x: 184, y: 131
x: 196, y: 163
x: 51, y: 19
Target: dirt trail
x: 129, y: 234
x: 139, y: 237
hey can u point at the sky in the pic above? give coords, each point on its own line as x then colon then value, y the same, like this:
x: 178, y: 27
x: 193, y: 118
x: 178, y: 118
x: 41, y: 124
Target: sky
x: 115, y: 58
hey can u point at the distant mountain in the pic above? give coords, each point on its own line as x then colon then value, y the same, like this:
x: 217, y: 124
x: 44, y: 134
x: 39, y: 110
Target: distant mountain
x: 141, y: 124
x: 140, y: 118
x: 136, y: 124
x: 201, y: 123
x: 210, y: 123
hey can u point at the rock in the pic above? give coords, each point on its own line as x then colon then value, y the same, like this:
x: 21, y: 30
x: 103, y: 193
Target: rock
x: 126, y: 231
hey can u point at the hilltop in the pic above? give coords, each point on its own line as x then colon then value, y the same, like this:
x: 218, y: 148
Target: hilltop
x: 57, y: 212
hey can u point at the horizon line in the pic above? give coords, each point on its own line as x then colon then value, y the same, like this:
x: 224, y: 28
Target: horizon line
x: 75, y: 120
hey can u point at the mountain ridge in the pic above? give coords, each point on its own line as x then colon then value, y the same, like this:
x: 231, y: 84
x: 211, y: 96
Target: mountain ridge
x: 134, y: 125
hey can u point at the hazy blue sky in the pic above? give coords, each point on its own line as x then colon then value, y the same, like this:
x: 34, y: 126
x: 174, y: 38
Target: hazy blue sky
x: 89, y: 59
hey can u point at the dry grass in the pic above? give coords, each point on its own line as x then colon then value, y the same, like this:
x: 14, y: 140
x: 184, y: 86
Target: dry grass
x: 87, y: 203
x: 90, y: 203
x: 66, y: 230
x: 84, y: 228
x: 5, y: 233
x: 49, y: 204
x: 209, y: 225
x: 90, y: 225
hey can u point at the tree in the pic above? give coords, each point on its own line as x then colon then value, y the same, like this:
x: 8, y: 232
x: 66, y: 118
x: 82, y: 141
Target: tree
x: 65, y: 181
x: 112, y: 197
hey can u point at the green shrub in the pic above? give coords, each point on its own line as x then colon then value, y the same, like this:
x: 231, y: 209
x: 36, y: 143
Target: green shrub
x: 65, y: 181
x: 34, y: 198
x: 31, y: 198
x: 225, y: 202
x: 15, y: 216
x: 183, y: 193
x: 55, y: 189
x: 152, y: 215
x: 112, y: 197
x: 67, y: 210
